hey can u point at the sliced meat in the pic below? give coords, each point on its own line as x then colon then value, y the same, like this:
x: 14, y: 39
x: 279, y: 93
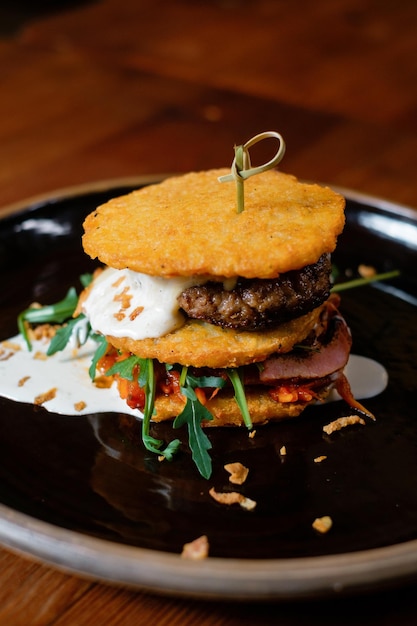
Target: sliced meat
x: 331, y: 357
x: 259, y: 304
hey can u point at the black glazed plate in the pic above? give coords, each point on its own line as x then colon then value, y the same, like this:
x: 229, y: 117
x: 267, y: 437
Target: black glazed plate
x: 81, y: 493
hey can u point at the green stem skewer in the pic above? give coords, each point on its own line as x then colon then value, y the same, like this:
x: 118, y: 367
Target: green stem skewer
x: 240, y: 166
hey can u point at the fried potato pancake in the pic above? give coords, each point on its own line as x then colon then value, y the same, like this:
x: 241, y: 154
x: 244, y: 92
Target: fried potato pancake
x: 189, y: 225
x: 200, y: 344
x: 225, y: 411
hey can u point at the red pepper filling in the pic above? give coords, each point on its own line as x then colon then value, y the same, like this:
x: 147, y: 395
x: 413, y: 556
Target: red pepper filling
x: 167, y: 381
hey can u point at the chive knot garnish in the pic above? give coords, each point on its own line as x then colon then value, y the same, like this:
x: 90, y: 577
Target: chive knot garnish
x: 242, y: 168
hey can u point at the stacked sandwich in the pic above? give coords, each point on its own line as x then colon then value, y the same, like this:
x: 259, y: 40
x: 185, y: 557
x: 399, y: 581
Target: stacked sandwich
x: 192, y: 285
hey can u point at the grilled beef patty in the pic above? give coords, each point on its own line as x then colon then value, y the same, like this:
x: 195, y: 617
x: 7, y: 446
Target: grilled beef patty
x: 260, y: 303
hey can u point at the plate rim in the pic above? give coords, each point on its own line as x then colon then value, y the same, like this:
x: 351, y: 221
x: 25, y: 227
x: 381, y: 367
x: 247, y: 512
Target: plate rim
x: 61, y: 193
x: 162, y: 572
x: 170, y: 574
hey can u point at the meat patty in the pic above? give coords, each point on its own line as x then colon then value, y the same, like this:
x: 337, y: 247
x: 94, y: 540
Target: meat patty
x: 260, y: 303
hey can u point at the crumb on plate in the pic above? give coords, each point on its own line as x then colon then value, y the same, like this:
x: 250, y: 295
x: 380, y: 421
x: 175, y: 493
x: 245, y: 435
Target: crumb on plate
x: 233, y: 497
x: 323, y: 524
x: 238, y: 473
x: 197, y: 549
x: 342, y: 422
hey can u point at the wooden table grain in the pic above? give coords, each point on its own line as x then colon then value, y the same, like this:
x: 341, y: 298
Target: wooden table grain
x: 108, y: 89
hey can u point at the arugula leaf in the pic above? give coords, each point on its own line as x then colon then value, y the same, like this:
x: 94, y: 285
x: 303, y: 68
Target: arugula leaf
x: 146, y: 379
x: 53, y: 314
x: 56, y: 313
x: 125, y: 367
x: 78, y: 325
x: 101, y: 351
x: 86, y: 279
x: 192, y: 415
x: 240, y: 397
x: 206, y: 381
x: 154, y: 445
x: 82, y: 328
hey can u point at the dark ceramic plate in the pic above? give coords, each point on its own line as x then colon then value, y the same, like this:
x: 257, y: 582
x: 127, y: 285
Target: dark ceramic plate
x: 82, y: 494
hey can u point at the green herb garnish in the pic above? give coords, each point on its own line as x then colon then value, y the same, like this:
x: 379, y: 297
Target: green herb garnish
x: 143, y: 370
x: 193, y: 414
x: 101, y: 351
x: 215, y: 382
x: 86, y: 279
x: 359, y: 282
x: 78, y: 326
x: 236, y: 379
x: 51, y: 314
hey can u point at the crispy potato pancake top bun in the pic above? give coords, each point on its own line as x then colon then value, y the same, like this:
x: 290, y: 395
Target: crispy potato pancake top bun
x: 188, y: 225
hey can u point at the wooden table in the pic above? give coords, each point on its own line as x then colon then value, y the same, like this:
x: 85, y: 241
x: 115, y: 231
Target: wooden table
x: 100, y: 90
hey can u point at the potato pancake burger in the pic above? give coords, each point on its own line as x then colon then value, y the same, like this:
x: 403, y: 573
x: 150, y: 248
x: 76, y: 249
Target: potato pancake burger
x: 213, y: 316
x: 190, y: 282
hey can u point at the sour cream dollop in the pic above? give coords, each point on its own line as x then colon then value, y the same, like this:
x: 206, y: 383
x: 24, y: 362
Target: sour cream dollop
x: 123, y: 303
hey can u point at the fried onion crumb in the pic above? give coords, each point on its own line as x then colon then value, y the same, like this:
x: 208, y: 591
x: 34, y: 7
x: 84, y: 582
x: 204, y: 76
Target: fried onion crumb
x: 42, y: 331
x: 323, y: 524
x: 238, y: 473
x: 342, y: 422
x: 103, y: 382
x: 320, y: 458
x: 22, y: 381
x: 366, y: 271
x: 197, y: 549
x: 10, y: 345
x: 233, y: 497
x: 80, y: 406
x: 45, y: 397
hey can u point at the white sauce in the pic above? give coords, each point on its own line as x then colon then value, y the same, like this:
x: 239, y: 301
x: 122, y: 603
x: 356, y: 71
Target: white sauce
x: 123, y: 303
x: 67, y: 371
x: 367, y: 378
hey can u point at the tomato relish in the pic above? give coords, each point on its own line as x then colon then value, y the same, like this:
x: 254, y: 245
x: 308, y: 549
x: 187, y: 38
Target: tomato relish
x: 292, y: 393
x: 167, y: 381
